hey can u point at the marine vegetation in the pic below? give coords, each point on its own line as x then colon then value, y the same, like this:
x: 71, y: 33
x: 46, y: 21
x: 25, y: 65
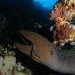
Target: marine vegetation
x: 63, y: 14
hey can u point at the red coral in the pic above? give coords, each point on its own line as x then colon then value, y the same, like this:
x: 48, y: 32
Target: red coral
x: 55, y: 13
x: 61, y: 32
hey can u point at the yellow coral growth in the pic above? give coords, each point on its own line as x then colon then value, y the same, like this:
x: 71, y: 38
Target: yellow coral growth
x: 59, y: 21
x: 66, y: 7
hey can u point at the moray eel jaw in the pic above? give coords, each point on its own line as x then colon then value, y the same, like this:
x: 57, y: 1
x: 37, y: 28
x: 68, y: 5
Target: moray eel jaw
x: 39, y: 50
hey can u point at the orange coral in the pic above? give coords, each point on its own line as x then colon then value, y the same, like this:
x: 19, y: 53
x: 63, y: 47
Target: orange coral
x: 59, y: 21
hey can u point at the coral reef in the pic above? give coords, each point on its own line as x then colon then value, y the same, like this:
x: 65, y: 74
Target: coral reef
x: 63, y: 15
x: 8, y: 65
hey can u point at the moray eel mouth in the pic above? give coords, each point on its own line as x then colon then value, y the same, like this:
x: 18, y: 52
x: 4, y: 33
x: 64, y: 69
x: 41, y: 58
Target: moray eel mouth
x: 25, y: 45
x: 21, y: 39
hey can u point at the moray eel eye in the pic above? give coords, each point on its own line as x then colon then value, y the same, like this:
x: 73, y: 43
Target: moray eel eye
x: 33, y: 51
x: 36, y: 55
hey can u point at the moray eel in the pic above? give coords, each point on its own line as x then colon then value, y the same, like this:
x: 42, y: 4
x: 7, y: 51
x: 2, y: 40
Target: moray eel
x: 46, y: 53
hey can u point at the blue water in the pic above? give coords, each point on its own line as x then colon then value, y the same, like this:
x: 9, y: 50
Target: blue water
x: 46, y: 3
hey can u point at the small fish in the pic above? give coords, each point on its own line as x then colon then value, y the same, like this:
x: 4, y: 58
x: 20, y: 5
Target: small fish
x: 44, y: 52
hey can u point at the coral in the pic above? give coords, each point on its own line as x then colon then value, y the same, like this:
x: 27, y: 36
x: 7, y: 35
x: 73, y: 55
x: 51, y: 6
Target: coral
x: 56, y: 13
x: 69, y: 2
x: 63, y: 14
x: 63, y: 9
x: 61, y: 32
x: 69, y: 14
x: 8, y: 65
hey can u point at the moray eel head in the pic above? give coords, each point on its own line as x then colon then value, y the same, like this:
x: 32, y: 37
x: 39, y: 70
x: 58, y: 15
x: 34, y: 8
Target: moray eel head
x: 38, y: 49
